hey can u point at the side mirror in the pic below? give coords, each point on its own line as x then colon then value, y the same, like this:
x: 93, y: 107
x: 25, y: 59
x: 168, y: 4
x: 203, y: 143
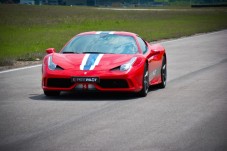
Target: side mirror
x: 50, y: 50
x: 155, y: 52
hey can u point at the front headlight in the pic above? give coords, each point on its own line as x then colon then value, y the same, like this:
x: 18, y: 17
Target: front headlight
x: 51, y: 64
x: 128, y: 65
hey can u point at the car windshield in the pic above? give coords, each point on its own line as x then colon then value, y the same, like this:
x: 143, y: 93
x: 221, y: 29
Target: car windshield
x: 102, y: 43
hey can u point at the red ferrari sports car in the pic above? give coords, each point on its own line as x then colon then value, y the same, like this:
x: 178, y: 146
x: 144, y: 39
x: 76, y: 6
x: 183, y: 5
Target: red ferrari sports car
x: 104, y: 61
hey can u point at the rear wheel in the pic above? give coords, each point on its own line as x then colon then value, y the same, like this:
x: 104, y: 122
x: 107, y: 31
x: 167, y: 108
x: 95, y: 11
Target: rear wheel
x: 145, y: 82
x: 163, y: 73
x: 51, y: 93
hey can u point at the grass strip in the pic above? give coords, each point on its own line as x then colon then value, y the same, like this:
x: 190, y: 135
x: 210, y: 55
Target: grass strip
x: 26, y: 31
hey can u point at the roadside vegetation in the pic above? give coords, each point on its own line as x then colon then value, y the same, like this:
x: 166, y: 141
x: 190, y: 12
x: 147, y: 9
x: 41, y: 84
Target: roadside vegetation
x: 26, y: 31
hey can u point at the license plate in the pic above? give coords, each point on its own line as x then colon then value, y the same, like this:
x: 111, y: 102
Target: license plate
x: 86, y: 79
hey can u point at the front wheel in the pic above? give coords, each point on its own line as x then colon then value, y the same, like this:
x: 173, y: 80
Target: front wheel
x: 163, y: 73
x: 145, y: 82
x: 51, y: 93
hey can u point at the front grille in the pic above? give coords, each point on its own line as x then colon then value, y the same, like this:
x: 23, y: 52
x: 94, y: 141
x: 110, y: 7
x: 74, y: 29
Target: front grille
x: 113, y: 83
x: 59, y: 82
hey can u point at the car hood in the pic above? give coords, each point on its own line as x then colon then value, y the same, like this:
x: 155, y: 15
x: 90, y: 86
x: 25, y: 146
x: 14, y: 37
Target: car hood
x: 90, y: 61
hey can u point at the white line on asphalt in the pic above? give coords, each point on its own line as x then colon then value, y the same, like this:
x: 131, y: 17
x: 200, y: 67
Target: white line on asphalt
x: 16, y: 69
x: 193, y: 36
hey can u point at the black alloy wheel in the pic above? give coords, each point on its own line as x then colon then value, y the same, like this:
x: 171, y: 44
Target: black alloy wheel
x: 145, y: 81
x: 163, y: 73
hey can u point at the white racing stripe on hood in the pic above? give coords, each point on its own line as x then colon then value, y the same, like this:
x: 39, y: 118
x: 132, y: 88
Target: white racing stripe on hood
x: 84, y: 61
x: 90, y: 61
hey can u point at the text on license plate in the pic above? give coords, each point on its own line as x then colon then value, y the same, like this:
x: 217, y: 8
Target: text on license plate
x: 86, y: 79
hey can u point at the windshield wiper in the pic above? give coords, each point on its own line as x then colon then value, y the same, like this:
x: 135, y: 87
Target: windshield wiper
x: 68, y: 52
x: 90, y: 52
x: 98, y: 52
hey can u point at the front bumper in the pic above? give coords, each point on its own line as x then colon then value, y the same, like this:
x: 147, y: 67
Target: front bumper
x: 61, y: 80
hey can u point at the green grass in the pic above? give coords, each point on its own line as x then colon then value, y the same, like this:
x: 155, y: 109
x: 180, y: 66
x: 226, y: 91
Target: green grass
x: 26, y: 31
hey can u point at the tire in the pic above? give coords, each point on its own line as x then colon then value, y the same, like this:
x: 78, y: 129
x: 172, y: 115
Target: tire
x: 51, y: 93
x: 145, y: 82
x: 163, y: 73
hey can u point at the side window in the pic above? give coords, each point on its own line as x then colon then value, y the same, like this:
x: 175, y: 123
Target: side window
x: 143, y: 46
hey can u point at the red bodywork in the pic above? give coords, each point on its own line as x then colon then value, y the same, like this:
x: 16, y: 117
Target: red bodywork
x: 110, y: 79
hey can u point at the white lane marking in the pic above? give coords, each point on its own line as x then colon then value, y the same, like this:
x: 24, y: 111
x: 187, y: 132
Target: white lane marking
x: 17, y: 69
x: 96, y: 61
x: 84, y: 61
x: 189, y: 37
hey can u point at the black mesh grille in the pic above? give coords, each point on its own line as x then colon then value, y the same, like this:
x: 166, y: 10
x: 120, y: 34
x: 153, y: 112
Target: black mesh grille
x: 113, y: 83
x: 59, y: 82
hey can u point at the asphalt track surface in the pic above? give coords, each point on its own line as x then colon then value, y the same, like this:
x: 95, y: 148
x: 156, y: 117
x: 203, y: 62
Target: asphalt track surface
x: 189, y: 115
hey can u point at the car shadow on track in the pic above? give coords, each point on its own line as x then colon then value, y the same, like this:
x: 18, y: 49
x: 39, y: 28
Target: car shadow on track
x: 90, y: 96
